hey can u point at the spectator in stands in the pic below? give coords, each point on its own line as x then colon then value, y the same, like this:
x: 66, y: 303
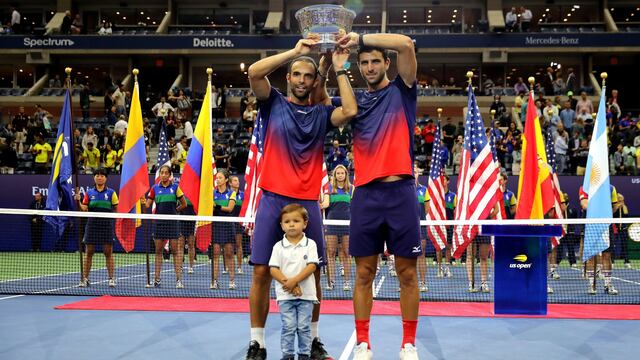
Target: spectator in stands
x: 629, y: 158
x: 451, y: 83
x: 549, y: 111
x: 118, y: 98
x: 108, y: 101
x: 457, y: 153
x: 547, y: 81
x: 77, y: 139
x: 42, y: 153
x: 110, y: 159
x: 104, y: 140
x: 55, y: 82
x: 188, y: 130
x: 584, y: 103
x: 520, y: 86
x: 249, y: 116
x: 525, y: 19
x: 342, y: 134
x: 91, y: 158
x: 244, y: 101
x: 567, y: 115
x: 487, y: 84
x: 428, y: 134
x: 449, y: 136
x: 559, y: 86
x: 67, y: 21
x: 85, y: 100
x: 614, y: 109
x: 111, y: 117
x: 121, y: 125
x: 37, y: 222
x: 8, y: 156
x: 76, y: 25
x: 501, y: 110
x: 517, y: 158
x: 618, y: 160
x: 15, y: 21
x: 161, y: 110
x: 222, y: 156
x: 571, y: 81
x: 337, y: 155
x: 105, y: 28
x: 89, y: 136
x: 561, y: 139
x: 572, y: 100
x: 6, y: 132
x: 582, y: 153
x: 511, y: 20
x: 239, y: 156
x: 460, y: 129
x: 584, y: 115
x: 215, y: 102
x: 20, y: 122
x: 222, y: 102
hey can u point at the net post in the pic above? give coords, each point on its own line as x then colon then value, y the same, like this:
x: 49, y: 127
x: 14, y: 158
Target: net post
x: 146, y: 249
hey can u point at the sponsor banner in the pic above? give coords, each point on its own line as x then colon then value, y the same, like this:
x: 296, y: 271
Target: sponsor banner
x: 274, y: 42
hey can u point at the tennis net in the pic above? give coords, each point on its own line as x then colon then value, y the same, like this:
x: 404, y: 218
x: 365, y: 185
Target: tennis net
x: 34, y: 259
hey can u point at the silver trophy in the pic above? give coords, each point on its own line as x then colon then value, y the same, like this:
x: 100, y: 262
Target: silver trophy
x: 328, y: 22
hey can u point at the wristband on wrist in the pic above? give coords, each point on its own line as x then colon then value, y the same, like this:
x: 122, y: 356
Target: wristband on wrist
x: 361, y: 41
x: 341, y: 72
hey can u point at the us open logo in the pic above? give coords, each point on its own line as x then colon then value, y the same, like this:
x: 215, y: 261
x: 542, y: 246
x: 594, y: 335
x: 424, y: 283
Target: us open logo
x: 522, y: 262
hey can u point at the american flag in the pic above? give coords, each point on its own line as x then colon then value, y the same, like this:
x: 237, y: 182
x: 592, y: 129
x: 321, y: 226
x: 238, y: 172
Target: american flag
x: 502, y: 214
x: 478, y: 190
x: 555, y: 185
x: 163, y: 153
x: 435, y: 186
x: 252, y: 193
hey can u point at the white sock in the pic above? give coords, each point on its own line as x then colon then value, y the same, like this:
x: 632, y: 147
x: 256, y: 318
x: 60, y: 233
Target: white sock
x: 257, y: 334
x: 314, y: 330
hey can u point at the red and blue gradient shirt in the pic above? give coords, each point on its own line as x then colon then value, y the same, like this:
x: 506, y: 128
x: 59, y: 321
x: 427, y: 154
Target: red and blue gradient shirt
x: 293, y: 146
x: 383, y: 131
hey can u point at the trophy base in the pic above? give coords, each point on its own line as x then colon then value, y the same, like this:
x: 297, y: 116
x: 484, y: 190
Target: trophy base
x: 325, y: 47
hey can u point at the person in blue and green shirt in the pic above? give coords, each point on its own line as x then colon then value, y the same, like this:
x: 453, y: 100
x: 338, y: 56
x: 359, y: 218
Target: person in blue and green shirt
x: 99, y: 231
x: 187, y: 232
x: 450, y: 201
x: 510, y: 199
x: 338, y: 207
x: 167, y: 195
x: 223, y: 232
x: 423, y: 204
x: 234, y: 183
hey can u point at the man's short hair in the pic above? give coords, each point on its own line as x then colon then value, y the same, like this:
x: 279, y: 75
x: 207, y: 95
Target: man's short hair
x: 368, y: 49
x: 306, y: 59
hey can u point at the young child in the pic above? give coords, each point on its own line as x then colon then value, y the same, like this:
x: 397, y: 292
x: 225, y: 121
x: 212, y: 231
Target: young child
x: 293, y: 262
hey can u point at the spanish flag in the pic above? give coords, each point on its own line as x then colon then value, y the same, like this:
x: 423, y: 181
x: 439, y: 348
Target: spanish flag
x: 134, y: 181
x: 197, y: 177
x: 535, y: 185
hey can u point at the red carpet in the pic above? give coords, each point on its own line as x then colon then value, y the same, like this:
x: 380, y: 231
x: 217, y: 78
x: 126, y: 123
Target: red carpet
x: 345, y: 307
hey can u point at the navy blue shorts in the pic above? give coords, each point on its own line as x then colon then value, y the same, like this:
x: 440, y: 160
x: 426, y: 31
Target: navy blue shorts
x: 268, y: 231
x: 166, y: 230
x: 187, y: 228
x: 385, y: 212
x: 482, y: 239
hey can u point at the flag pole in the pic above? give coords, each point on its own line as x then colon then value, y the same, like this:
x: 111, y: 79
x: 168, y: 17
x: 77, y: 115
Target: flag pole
x: 603, y: 76
x: 68, y: 70
x: 211, y: 254
x: 472, y: 280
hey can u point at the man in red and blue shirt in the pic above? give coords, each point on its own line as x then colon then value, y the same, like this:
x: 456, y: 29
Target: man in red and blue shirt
x: 293, y: 132
x: 384, y: 209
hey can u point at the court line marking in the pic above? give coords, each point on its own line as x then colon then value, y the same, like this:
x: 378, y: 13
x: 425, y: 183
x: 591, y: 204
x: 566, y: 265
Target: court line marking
x: 65, y: 273
x: 11, y: 297
x: 346, y: 352
x: 616, y: 278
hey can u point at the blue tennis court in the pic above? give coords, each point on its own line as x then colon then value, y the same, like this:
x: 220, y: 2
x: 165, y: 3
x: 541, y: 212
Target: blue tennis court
x: 34, y: 330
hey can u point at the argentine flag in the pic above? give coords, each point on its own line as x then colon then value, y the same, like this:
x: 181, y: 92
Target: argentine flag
x: 596, y: 185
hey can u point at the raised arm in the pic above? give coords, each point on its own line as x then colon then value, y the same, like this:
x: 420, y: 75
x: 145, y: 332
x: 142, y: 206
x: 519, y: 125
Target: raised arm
x: 407, y: 63
x: 341, y: 115
x: 259, y: 70
x: 319, y: 94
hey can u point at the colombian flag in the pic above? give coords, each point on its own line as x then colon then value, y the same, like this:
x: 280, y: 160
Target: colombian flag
x: 197, y: 177
x: 535, y: 185
x: 134, y: 181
